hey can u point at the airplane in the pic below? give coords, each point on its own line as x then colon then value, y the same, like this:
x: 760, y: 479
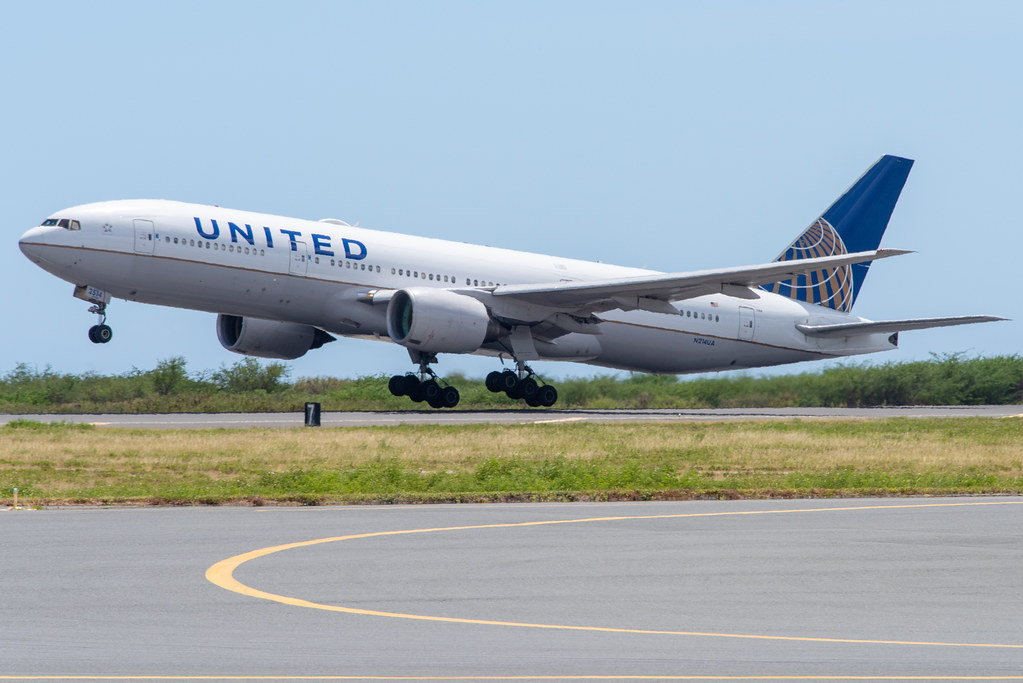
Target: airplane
x: 284, y: 286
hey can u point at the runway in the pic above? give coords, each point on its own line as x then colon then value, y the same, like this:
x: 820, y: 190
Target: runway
x: 807, y: 589
x: 519, y: 416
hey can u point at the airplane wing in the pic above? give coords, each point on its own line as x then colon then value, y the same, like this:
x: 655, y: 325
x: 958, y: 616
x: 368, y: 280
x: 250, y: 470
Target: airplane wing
x: 652, y: 293
x: 871, y: 327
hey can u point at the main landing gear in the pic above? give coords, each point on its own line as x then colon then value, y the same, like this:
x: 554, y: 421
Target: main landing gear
x: 521, y: 385
x: 418, y: 388
x: 427, y: 386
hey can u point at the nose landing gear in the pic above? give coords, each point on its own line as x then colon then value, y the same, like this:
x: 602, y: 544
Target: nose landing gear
x: 100, y: 333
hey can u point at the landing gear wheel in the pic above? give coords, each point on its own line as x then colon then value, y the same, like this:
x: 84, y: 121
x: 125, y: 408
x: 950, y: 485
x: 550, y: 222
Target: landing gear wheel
x: 398, y: 384
x: 527, y: 390
x: 431, y: 392
x: 100, y: 334
x: 494, y: 382
x: 509, y: 381
x: 414, y: 389
x: 449, y: 397
x: 547, y: 395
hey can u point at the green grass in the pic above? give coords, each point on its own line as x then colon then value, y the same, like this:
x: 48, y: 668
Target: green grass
x: 557, y: 462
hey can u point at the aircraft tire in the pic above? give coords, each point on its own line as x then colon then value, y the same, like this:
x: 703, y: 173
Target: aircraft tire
x: 528, y: 389
x: 547, y: 395
x: 509, y: 382
x: 449, y: 397
x: 414, y: 389
x: 431, y: 391
x: 494, y: 381
x: 100, y: 334
x: 397, y: 385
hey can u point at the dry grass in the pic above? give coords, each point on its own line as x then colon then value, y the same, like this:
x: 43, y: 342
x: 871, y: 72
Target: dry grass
x: 811, y: 457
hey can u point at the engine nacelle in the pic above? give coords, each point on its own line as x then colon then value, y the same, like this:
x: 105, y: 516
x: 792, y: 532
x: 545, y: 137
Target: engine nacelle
x: 268, y: 338
x: 438, y: 321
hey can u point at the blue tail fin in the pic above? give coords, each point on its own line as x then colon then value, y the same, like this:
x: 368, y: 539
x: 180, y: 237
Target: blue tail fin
x: 855, y: 222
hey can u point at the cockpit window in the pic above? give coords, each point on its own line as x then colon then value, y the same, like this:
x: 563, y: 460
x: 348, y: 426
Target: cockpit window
x: 66, y: 223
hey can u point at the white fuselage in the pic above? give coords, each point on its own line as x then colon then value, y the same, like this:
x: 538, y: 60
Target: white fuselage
x: 319, y: 273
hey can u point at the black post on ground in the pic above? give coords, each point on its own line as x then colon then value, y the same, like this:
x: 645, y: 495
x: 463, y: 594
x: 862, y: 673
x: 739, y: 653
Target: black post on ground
x: 312, y: 414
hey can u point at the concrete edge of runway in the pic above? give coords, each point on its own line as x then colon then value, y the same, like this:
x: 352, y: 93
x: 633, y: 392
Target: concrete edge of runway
x: 499, y: 416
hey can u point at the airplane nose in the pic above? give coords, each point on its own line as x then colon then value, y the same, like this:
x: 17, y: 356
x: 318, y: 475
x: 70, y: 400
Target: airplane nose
x: 33, y: 242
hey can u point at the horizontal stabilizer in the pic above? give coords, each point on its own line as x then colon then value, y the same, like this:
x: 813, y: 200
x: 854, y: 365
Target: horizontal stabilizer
x: 887, y: 326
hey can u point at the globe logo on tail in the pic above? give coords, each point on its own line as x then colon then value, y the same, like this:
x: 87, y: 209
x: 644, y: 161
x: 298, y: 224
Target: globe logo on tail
x: 831, y: 287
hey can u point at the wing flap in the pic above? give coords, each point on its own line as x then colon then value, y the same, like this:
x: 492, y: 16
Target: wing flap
x: 598, y: 295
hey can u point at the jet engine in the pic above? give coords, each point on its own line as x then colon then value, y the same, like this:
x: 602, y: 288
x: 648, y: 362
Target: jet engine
x: 268, y: 338
x: 438, y: 321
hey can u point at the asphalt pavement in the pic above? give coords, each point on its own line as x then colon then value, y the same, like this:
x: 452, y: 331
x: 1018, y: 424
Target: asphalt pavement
x: 808, y: 589
x: 517, y: 416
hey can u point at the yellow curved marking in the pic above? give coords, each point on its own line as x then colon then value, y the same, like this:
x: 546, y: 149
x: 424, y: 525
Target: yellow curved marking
x: 222, y: 574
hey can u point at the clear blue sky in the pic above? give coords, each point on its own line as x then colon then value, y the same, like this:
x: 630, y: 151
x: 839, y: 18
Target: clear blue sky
x: 673, y: 135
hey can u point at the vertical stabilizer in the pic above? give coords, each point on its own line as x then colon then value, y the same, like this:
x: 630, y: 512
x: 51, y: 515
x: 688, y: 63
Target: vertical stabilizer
x: 855, y: 222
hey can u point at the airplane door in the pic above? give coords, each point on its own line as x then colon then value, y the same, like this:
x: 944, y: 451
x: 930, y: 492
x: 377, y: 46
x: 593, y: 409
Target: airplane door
x: 145, y: 236
x: 299, y: 260
x: 747, y: 323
